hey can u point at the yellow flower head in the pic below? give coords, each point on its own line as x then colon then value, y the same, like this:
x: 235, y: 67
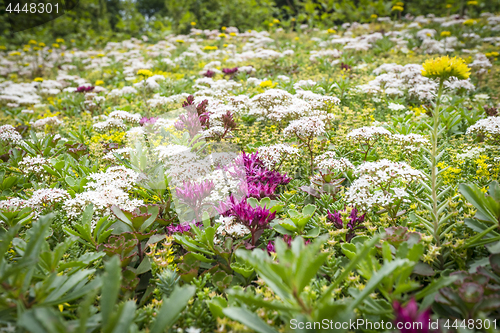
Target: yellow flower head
x: 223, y: 28
x: 449, y: 6
x: 145, y: 72
x: 472, y: 3
x: 469, y: 22
x: 400, y: 4
x: 180, y: 41
x: 193, y: 23
x: 15, y: 53
x: 32, y: 41
x: 232, y: 34
x: 99, y: 82
x: 374, y: 16
x: 72, y: 40
x: 59, y: 40
x: 445, y: 33
x: 397, y: 8
x: 445, y: 67
x: 331, y: 31
x: 293, y: 19
x: 38, y: 79
x: 268, y: 84
x: 41, y: 44
x: 271, y: 24
x: 3, y: 47
x: 210, y: 48
x: 100, y: 55
x: 222, y: 35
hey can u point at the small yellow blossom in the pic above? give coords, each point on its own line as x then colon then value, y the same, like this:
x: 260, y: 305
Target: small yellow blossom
x: 38, y: 79
x: 41, y: 44
x: 472, y: 3
x: 331, y: 31
x: 222, y: 35
x: 193, y: 24
x: 32, y: 41
x: 276, y: 21
x: 180, y: 41
x: 99, y: 82
x: 59, y: 40
x: 445, y: 33
x: 374, y: 16
x: 397, y: 8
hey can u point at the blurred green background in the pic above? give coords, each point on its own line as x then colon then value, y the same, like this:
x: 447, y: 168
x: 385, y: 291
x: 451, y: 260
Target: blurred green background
x: 95, y: 22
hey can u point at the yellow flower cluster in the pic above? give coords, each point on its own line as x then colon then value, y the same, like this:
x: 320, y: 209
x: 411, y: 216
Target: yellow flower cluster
x: 210, y: 48
x: 268, y: 84
x: 445, y: 34
x: 145, y: 72
x: 397, y: 8
x: 482, y: 167
x: 450, y: 174
x: 445, y: 67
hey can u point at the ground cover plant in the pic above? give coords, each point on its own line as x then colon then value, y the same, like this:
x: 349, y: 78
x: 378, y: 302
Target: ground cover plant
x: 255, y: 181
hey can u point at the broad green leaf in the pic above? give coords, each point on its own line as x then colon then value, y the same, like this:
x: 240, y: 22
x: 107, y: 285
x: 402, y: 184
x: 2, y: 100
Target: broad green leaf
x: 171, y: 308
x: 249, y: 319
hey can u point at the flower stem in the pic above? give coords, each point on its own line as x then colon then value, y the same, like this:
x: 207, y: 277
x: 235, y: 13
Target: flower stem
x: 434, y: 171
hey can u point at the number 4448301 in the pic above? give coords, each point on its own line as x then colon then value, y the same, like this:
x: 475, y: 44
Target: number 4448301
x: 38, y: 8
x: 471, y: 324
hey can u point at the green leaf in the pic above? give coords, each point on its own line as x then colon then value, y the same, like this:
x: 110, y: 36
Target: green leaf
x: 111, y: 282
x: 171, y: 308
x: 249, y: 319
x: 376, y: 280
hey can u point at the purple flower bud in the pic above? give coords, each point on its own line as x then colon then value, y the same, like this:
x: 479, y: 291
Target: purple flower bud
x: 410, y: 314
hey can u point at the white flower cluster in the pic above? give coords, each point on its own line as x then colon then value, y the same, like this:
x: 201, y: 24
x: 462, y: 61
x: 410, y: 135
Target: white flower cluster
x: 470, y: 154
x: 410, y: 142
x: 44, y: 200
x: 489, y: 126
x: 381, y: 184
x: 229, y: 227
x: 275, y: 154
x: 306, y: 127
x: 480, y: 63
x: 9, y: 135
x: 34, y: 164
x: 125, y: 116
x: 368, y: 133
x: 12, y: 204
x: 49, y: 121
x: 109, y: 124
x: 124, y: 91
x: 396, y: 107
x: 105, y: 190
x: 397, y: 80
x: 332, y: 164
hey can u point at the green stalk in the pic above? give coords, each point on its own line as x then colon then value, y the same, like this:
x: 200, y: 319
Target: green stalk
x: 434, y: 170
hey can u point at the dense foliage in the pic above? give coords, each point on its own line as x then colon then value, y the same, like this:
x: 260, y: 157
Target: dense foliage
x: 236, y: 181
